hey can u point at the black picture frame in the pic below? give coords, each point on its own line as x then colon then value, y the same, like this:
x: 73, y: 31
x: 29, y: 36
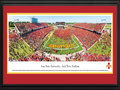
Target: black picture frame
x: 59, y: 3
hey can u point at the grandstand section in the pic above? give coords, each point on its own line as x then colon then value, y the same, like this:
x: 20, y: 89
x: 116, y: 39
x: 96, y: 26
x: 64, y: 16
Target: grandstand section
x: 19, y: 49
x: 36, y: 37
x: 86, y: 37
x: 98, y: 27
x: 26, y: 27
x: 103, y: 46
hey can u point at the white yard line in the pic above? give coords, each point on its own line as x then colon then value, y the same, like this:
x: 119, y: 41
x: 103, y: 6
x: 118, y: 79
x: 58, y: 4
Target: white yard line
x: 48, y: 39
x: 17, y: 29
x: 75, y: 42
x: 27, y: 43
x: 80, y: 43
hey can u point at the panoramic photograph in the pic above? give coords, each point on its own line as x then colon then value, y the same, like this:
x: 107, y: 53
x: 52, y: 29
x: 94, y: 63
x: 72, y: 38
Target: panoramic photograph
x: 61, y: 38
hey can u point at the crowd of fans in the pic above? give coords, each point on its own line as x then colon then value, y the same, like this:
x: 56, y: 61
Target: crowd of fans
x: 89, y: 57
x: 103, y: 46
x: 96, y: 57
x: 35, y: 38
x: 37, y: 57
x: 63, y: 33
x: 76, y: 57
x: 18, y: 48
x: 13, y: 36
x: 86, y: 37
x: 91, y: 26
x: 23, y: 27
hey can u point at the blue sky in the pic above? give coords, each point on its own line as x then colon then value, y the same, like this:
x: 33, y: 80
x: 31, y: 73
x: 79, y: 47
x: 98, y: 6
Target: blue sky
x: 87, y: 19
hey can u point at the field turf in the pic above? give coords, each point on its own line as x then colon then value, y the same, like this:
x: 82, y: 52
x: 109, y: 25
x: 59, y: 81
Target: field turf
x: 54, y: 40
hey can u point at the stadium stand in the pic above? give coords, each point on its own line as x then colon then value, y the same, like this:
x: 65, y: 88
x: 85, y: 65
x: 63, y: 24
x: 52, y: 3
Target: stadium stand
x: 86, y: 37
x: 91, y: 26
x: 23, y: 27
x: 63, y: 33
x: 36, y: 37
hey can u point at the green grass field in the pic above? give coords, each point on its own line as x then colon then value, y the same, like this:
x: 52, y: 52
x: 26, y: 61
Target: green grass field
x: 54, y: 40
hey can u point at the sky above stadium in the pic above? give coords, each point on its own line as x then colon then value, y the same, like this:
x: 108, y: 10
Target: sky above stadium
x: 52, y: 19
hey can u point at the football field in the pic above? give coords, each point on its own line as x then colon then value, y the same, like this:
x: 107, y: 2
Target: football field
x: 57, y: 45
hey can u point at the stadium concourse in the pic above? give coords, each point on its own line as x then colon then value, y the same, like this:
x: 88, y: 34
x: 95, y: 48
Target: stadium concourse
x: 81, y: 41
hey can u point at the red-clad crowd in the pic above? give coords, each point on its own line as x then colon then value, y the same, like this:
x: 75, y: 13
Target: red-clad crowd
x: 76, y: 57
x: 96, y: 57
x: 35, y: 37
x: 91, y: 26
x: 89, y: 57
x: 23, y: 27
x: 37, y: 57
x: 63, y: 33
x: 13, y: 36
x: 86, y: 37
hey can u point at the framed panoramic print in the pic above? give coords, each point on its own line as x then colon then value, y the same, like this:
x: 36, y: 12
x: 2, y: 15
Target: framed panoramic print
x: 60, y: 44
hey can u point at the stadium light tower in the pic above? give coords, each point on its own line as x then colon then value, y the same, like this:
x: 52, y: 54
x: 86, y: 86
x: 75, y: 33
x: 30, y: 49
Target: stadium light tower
x: 103, y: 20
x: 31, y: 19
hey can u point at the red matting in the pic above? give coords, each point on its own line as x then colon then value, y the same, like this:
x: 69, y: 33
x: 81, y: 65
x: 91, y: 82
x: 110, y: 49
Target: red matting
x: 60, y: 78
